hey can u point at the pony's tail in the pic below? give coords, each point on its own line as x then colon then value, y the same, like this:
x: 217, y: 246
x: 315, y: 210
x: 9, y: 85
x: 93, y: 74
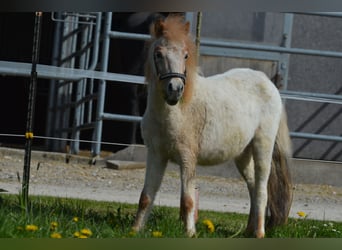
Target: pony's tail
x: 280, y: 184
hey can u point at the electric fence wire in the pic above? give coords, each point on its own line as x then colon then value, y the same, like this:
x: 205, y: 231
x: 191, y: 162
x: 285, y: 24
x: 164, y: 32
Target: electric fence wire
x: 73, y: 140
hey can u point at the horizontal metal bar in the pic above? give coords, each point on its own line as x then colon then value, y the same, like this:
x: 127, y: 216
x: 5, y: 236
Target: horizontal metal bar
x: 326, y: 14
x: 316, y: 136
x: 73, y: 14
x: 53, y: 72
x: 120, y: 117
x: 314, y: 97
x: 260, y: 47
x: 239, y: 53
x: 60, y: 73
x: 126, y: 35
x: 238, y: 45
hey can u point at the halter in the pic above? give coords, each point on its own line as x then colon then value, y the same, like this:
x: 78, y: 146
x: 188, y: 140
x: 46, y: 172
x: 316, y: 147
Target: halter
x: 172, y: 75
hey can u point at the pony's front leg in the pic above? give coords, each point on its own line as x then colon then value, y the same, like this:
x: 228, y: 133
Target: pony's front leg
x: 188, y: 198
x: 155, y: 169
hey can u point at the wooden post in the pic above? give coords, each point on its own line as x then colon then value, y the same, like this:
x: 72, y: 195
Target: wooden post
x: 198, y: 33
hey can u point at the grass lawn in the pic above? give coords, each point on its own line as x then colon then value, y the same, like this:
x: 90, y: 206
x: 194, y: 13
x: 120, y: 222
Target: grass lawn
x: 70, y: 218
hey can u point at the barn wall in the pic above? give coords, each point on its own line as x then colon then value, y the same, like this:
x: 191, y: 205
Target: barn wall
x: 306, y: 73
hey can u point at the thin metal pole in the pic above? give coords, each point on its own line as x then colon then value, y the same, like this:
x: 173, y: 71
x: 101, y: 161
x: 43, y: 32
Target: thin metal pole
x: 198, y: 33
x: 97, y: 134
x: 31, y: 109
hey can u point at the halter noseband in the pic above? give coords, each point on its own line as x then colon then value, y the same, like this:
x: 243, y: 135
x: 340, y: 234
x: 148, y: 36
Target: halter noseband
x: 172, y: 75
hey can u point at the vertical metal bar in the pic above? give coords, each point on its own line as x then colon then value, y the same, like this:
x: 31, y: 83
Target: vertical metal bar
x: 31, y: 109
x: 97, y: 135
x: 64, y: 92
x: 51, y: 114
x: 90, y: 103
x: 79, y: 93
x: 94, y: 62
x: 283, y: 65
x: 97, y: 34
x: 85, y: 88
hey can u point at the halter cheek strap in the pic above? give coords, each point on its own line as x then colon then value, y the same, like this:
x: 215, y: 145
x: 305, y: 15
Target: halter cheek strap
x: 172, y: 75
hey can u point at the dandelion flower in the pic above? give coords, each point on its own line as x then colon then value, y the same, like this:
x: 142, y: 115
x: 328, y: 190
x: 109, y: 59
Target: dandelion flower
x: 132, y: 233
x: 157, y: 234
x: 86, y: 232
x: 301, y: 214
x: 56, y: 235
x: 31, y: 228
x: 75, y: 219
x: 53, y: 225
x: 210, y: 226
x: 77, y: 234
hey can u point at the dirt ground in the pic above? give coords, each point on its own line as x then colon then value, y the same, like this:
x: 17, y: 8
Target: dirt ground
x: 51, y: 175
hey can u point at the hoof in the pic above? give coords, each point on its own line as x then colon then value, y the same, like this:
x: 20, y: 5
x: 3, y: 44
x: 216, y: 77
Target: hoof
x: 259, y: 235
x: 191, y: 233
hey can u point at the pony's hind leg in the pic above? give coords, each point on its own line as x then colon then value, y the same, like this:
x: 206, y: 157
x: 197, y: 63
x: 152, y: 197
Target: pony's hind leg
x: 245, y: 165
x: 262, y: 156
x: 155, y: 169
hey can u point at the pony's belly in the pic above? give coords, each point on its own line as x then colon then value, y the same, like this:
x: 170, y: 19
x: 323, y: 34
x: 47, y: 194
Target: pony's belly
x: 223, y: 143
x: 217, y: 156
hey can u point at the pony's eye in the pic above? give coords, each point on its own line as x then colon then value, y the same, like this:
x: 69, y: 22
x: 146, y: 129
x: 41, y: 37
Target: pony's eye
x: 158, y: 55
x: 186, y: 56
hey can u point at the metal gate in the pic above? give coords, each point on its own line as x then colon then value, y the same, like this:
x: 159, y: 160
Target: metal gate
x: 82, y: 41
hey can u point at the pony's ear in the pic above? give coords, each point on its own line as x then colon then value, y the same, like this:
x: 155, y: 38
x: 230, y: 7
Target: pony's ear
x: 158, y: 27
x: 187, y: 27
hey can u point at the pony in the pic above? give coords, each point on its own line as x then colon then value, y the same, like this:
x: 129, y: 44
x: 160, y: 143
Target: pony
x: 191, y: 119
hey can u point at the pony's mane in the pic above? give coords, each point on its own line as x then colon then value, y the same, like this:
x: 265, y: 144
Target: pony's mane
x: 174, y: 28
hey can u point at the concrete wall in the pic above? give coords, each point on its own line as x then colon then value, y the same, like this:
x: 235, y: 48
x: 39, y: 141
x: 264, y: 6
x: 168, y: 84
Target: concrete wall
x: 306, y: 73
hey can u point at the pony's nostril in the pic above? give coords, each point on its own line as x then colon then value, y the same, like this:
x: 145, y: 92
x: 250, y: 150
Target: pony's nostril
x: 169, y: 87
x: 181, y: 88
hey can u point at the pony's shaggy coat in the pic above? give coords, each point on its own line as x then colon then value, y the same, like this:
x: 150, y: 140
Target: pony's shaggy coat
x: 235, y: 115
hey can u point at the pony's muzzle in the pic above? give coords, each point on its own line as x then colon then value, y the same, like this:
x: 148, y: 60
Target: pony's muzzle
x: 174, y: 91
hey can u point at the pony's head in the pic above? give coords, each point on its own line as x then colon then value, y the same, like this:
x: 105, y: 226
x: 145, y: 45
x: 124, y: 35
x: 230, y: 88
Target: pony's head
x: 171, y: 59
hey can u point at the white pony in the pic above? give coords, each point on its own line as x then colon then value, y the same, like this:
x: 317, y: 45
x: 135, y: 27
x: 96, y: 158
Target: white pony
x: 190, y: 119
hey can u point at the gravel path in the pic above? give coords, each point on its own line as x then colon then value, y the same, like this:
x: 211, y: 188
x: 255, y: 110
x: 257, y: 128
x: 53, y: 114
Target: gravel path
x: 77, y: 179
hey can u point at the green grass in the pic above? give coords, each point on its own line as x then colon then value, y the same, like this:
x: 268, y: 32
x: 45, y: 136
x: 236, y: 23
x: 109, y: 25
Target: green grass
x: 114, y: 220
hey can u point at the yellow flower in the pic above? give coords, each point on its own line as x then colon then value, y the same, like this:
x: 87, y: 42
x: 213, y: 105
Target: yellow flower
x: 132, y: 233
x: 56, y: 235
x: 75, y: 219
x: 301, y: 214
x: 86, y: 232
x: 157, y: 234
x: 210, y: 226
x: 31, y: 228
x: 53, y: 225
x: 77, y: 234
x: 82, y: 236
